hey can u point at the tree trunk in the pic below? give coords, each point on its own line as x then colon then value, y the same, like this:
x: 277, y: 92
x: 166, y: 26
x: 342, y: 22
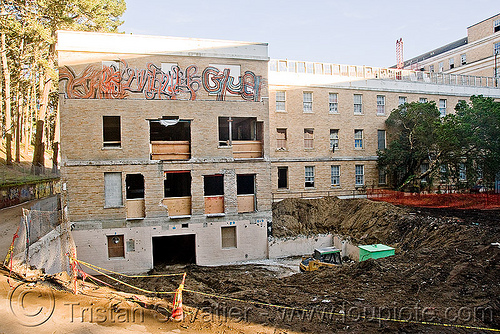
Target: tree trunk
x: 8, y: 120
x: 55, y: 153
x: 38, y: 162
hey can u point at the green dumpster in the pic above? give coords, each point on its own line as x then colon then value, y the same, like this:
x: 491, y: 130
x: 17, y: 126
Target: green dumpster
x: 376, y: 251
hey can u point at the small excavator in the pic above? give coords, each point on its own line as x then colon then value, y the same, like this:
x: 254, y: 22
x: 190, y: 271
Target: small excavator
x: 322, y: 257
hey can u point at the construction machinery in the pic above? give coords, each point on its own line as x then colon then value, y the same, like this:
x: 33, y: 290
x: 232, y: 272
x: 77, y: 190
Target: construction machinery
x: 322, y: 257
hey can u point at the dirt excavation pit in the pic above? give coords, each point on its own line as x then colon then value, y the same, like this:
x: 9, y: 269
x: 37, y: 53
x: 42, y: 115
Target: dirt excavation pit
x: 446, y: 270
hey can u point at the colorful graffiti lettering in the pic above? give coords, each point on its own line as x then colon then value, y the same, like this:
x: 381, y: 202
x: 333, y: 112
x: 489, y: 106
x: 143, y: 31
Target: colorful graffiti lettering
x: 112, y: 83
x: 119, y: 80
x: 219, y: 83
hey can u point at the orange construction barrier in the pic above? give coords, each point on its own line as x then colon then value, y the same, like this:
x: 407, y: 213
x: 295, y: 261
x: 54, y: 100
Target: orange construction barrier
x: 177, y: 313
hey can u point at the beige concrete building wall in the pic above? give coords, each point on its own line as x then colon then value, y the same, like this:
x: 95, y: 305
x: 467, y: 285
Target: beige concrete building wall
x: 86, y: 159
x: 482, y: 29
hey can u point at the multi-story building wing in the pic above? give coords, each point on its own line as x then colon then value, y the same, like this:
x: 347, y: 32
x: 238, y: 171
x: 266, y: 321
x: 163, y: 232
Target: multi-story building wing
x: 478, y: 54
x: 327, y: 121
x: 164, y: 150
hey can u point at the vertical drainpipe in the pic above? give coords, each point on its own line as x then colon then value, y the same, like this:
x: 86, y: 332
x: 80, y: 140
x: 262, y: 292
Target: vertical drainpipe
x: 230, y: 120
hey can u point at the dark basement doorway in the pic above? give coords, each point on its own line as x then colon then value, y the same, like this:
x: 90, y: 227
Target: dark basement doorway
x: 176, y: 249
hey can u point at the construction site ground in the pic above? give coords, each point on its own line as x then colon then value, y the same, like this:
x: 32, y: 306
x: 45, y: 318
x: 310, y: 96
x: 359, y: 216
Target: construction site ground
x: 444, y: 278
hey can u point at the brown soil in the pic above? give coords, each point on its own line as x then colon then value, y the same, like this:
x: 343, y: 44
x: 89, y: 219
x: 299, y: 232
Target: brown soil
x: 445, y: 270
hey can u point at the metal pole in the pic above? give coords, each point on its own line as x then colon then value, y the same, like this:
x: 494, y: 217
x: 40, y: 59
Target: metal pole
x: 496, y: 69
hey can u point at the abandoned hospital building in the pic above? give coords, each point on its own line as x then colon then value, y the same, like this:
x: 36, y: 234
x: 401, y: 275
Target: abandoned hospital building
x: 174, y: 149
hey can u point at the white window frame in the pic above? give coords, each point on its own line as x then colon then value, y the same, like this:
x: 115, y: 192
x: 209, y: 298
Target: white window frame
x: 382, y: 176
x: 359, y: 172
x: 333, y: 103
x: 334, y: 139
x: 402, y: 100
x: 451, y: 62
x: 463, y: 59
x: 422, y: 100
x: 378, y: 139
x: 309, y: 141
x: 380, y: 104
x: 309, y: 176
x: 462, y: 172
x: 431, y: 68
x: 358, y: 139
x: 281, y: 101
x: 358, y: 104
x: 441, y: 66
x: 442, y: 107
x: 307, y: 102
x: 335, y: 176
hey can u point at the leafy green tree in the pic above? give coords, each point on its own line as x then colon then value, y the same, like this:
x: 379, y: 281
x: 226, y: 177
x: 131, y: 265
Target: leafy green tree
x: 28, y: 30
x: 423, y: 145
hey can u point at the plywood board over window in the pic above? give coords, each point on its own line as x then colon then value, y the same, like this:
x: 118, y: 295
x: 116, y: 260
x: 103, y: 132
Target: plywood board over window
x: 115, y: 246
x: 228, y: 234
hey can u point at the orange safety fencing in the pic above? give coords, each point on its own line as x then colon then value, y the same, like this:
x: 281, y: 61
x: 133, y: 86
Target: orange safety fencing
x: 450, y: 200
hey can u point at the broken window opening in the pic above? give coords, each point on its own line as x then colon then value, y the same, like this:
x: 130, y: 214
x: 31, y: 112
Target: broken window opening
x: 177, y: 188
x: 214, y: 194
x: 111, y: 132
x: 135, y: 186
x: 177, y: 249
x: 170, y: 139
x: 238, y: 128
x: 245, y: 189
x: 282, y: 177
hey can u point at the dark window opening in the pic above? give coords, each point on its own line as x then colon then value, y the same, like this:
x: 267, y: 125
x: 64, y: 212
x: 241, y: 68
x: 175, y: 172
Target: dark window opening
x: 135, y: 186
x: 177, y: 184
x: 239, y: 128
x: 111, y: 132
x: 115, y: 246
x: 178, y: 249
x: 169, y: 130
x: 245, y: 184
x: 213, y: 185
x: 282, y: 177
x: 497, y: 28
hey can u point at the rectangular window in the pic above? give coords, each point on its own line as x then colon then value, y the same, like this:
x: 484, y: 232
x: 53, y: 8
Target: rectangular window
x: 431, y: 68
x: 281, y: 139
x: 358, y: 104
x: 380, y: 105
x: 282, y: 65
x: 228, y: 236
x: 291, y: 66
x: 309, y: 176
x: 462, y: 172
x: 310, y: 68
x: 382, y: 176
x: 308, y: 101
x: 308, y: 138
x: 496, y: 26
x: 496, y: 49
x: 282, y: 177
x: 113, y: 196
x: 463, y: 59
x: 301, y: 67
x: 360, y: 175
x: 442, y: 107
x: 116, y: 246
x: 238, y: 129
x: 335, y: 176
x: 452, y: 63
x: 441, y: 66
x: 358, y: 139
x: 423, y: 168
x: 381, y: 139
x: 111, y: 132
x: 177, y: 184
x: 333, y: 103
x: 402, y: 100
x: 280, y: 101
x: 422, y: 100
x: 213, y: 185
x: 334, y: 139
x: 245, y: 191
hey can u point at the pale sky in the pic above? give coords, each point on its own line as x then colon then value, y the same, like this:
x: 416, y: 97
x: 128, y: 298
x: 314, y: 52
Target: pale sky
x: 355, y: 32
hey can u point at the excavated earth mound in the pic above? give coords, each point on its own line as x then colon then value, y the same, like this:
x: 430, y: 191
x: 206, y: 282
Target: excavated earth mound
x: 446, y: 270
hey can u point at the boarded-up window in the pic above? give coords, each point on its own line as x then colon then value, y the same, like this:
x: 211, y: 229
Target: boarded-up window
x: 111, y: 133
x: 245, y: 184
x: 177, y: 184
x: 113, y: 190
x: 115, y: 246
x: 214, y: 185
x: 228, y: 236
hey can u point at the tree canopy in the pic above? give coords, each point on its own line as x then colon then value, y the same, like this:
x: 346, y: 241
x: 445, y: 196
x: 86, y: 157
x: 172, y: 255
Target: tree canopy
x: 461, y: 148
x: 29, y: 79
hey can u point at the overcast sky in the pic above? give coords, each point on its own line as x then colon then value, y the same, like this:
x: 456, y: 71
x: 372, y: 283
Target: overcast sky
x: 357, y: 32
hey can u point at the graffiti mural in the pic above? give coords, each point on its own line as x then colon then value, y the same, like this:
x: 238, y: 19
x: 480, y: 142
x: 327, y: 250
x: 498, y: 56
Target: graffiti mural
x: 118, y: 80
x: 219, y: 83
